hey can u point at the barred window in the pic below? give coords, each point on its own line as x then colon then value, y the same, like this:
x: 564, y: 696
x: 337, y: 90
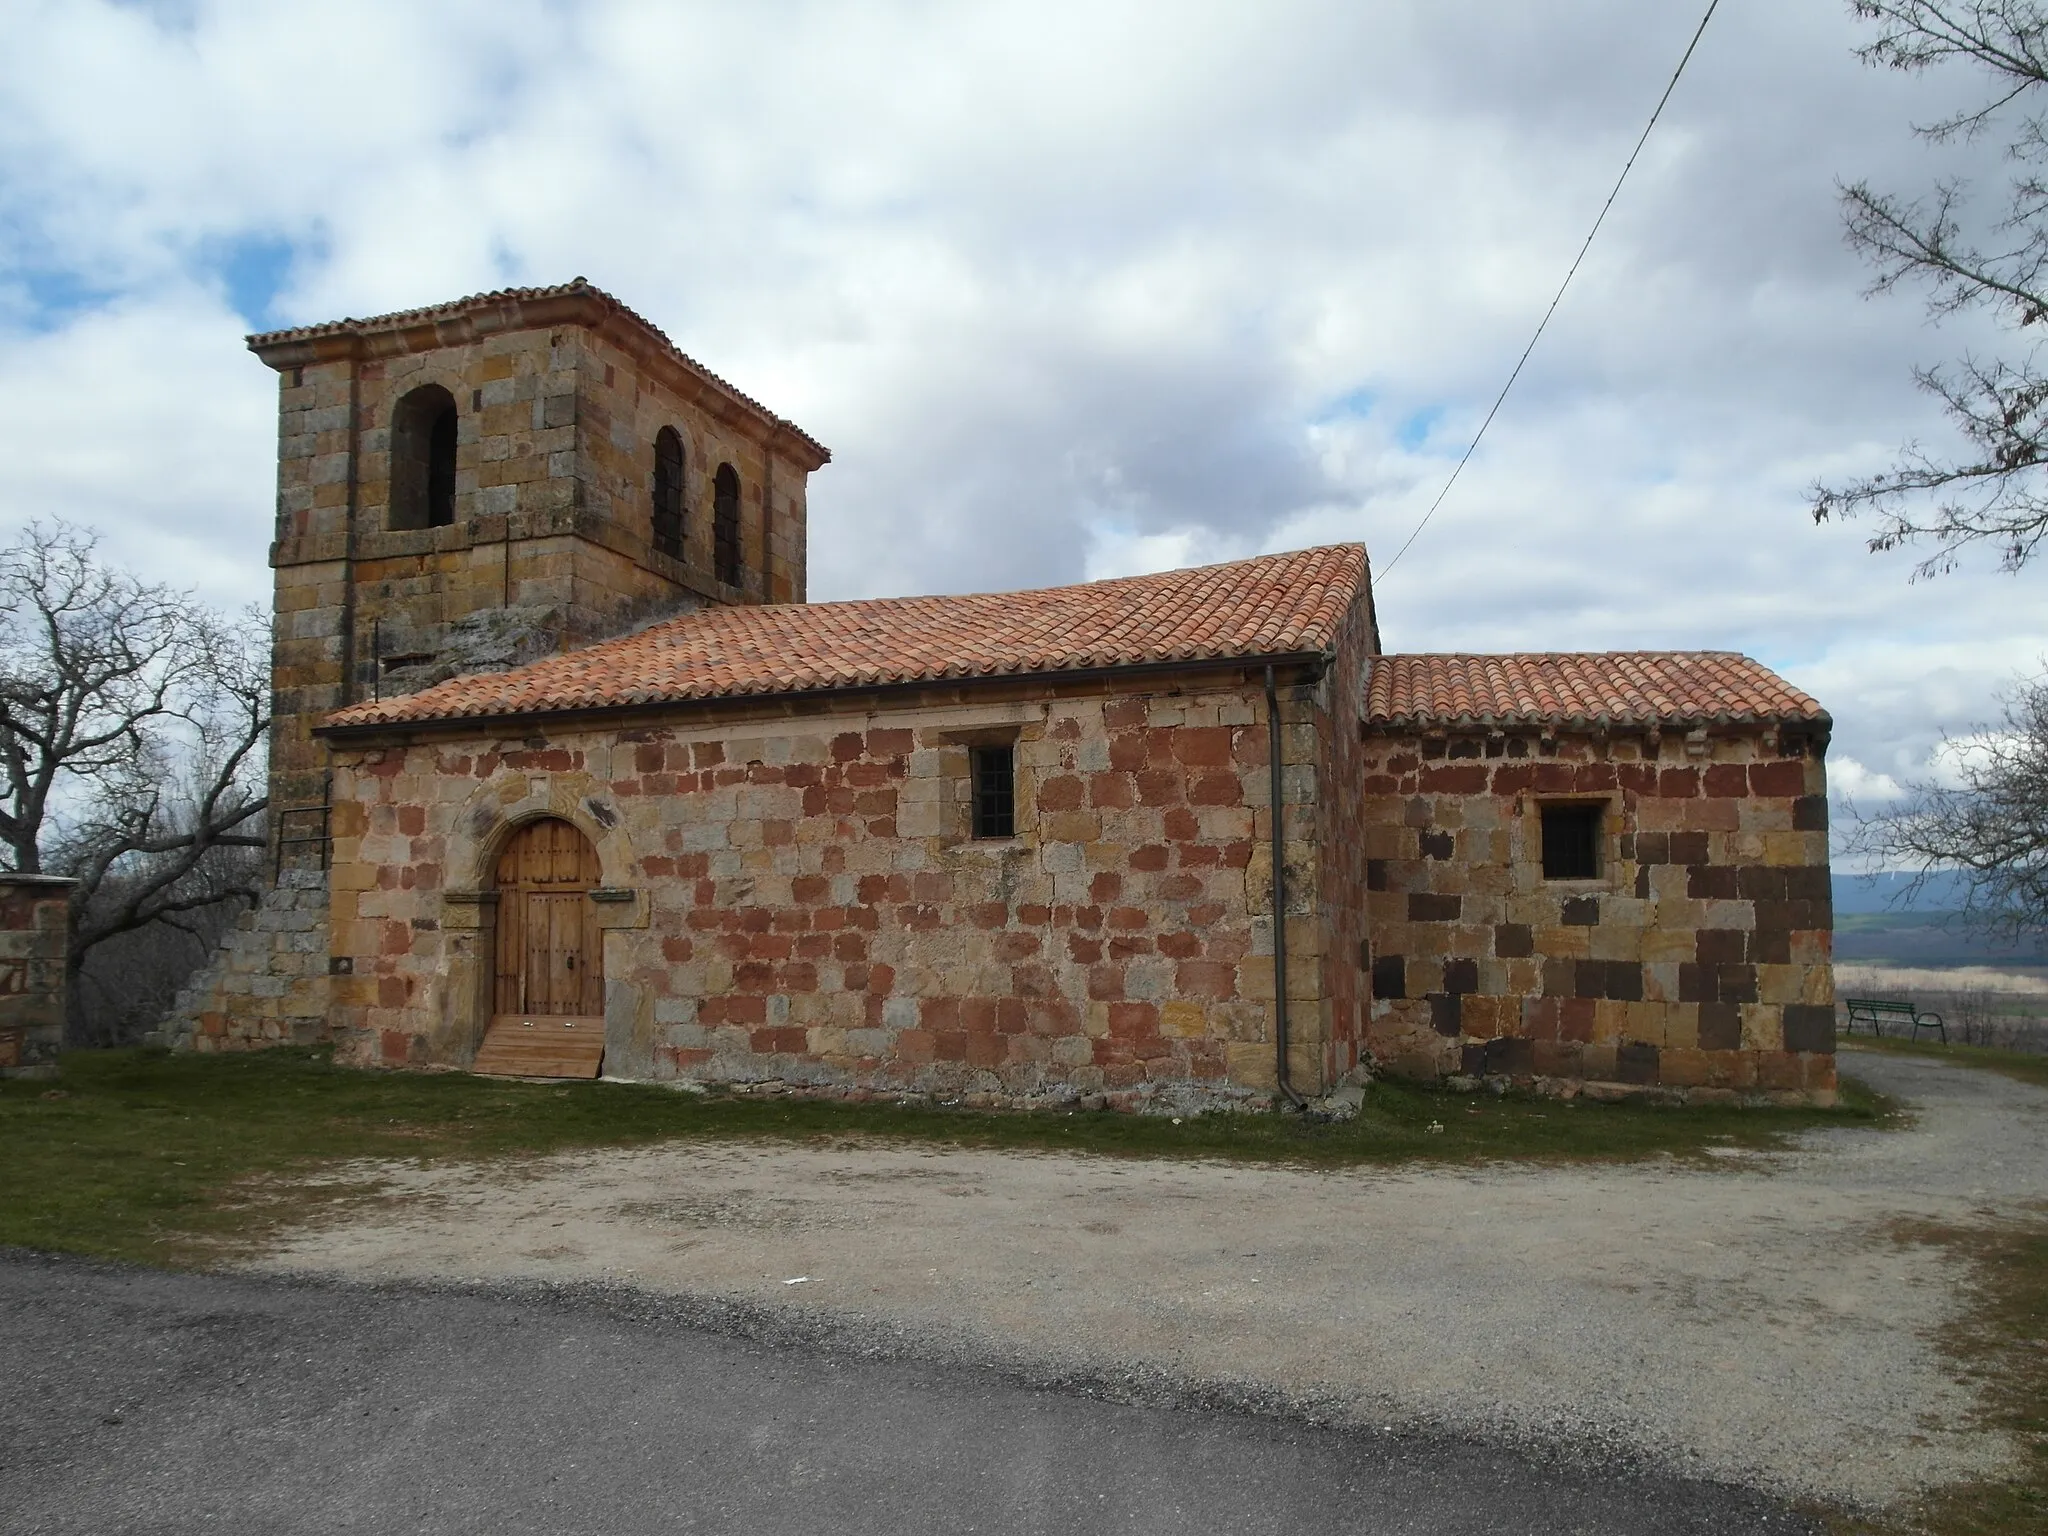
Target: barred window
x: 995, y: 792
x: 1571, y: 842
x: 668, y: 493
x: 725, y: 524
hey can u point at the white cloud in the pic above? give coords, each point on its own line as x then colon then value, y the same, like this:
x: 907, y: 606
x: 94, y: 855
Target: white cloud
x: 1071, y: 289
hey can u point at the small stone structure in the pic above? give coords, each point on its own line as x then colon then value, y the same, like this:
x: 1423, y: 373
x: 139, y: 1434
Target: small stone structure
x: 35, y: 936
x: 268, y: 982
x: 1692, y: 955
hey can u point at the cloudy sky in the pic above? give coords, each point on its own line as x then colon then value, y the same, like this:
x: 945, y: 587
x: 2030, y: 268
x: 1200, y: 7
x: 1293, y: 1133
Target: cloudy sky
x: 1071, y: 287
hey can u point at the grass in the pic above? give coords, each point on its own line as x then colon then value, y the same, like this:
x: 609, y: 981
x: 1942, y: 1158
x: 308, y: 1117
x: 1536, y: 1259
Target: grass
x: 171, y: 1160
x: 2026, y: 1066
x: 2001, y: 1340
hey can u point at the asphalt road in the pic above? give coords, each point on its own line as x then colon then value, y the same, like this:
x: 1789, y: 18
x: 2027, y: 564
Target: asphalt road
x: 134, y: 1401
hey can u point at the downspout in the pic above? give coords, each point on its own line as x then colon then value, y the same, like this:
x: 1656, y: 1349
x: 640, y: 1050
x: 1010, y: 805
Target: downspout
x: 1279, y: 896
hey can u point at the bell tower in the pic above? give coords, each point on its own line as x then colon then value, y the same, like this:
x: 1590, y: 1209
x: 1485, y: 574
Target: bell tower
x: 474, y: 485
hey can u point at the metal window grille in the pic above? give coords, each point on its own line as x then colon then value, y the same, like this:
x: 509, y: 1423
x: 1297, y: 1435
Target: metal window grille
x: 668, y: 493
x: 995, y: 792
x: 1571, y: 842
x: 725, y: 524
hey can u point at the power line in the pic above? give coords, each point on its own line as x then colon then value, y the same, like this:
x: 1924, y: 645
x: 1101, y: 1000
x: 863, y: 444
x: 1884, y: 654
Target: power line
x: 1545, y: 321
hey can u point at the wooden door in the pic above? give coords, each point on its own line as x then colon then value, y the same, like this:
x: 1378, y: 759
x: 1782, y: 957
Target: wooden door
x: 550, y: 950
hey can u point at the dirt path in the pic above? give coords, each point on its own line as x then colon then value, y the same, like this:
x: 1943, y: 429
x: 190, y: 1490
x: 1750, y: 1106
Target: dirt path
x: 1756, y: 1323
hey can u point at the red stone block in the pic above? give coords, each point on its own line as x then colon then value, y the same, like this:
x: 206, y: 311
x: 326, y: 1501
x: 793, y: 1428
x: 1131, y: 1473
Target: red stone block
x: 916, y: 1047
x: 1205, y: 979
x: 985, y: 1050
x: 1130, y: 1021
x: 1011, y: 947
x: 778, y: 834
x: 1013, y: 1015
x: 1106, y: 983
x: 392, y: 991
x: 1637, y: 778
x: 708, y: 754
x: 810, y: 890
x: 1726, y: 781
x: 1780, y: 778
x: 1089, y: 918
x: 397, y: 939
x: 1199, y: 856
x: 393, y: 1044
x: 1061, y: 792
x: 1182, y: 826
x: 1083, y: 951
x: 1205, y: 914
x: 1576, y: 1016
x: 676, y: 949
x: 790, y: 920
x: 1220, y: 789
x: 1203, y: 746
x: 1105, y: 888
x: 1151, y: 857
x: 1455, y: 779
x: 814, y: 946
x: 890, y: 743
x: 1237, y: 855
x: 1679, y: 783
x: 1112, y: 791
x: 649, y: 759
x: 1178, y: 887
x: 1128, y: 753
x: 1123, y: 714
x: 784, y: 1040
x: 1513, y: 778
x: 849, y: 948
x: 1031, y: 915
x: 1590, y: 777
x: 1159, y: 786
x: 412, y: 820
x: 1128, y: 918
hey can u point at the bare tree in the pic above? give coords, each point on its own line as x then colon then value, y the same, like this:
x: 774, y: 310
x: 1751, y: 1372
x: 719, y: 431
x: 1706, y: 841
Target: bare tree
x: 132, y: 721
x: 1989, y: 823
x: 1996, y: 491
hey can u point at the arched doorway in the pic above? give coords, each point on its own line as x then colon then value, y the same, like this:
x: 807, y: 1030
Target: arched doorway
x: 548, y: 968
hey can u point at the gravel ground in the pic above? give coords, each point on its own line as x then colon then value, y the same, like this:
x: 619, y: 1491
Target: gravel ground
x: 1755, y: 1323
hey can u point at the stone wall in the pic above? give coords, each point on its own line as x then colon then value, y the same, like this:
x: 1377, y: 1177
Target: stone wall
x: 1698, y: 960
x: 268, y: 982
x: 800, y: 900
x: 35, y: 936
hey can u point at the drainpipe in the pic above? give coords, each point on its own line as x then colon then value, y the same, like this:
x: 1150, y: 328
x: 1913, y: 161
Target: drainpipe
x: 1279, y: 895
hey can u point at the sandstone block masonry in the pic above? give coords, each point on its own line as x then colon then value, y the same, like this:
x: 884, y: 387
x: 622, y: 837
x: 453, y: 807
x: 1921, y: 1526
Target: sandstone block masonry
x: 1695, y: 960
x: 267, y: 983
x: 803, y: 901
x: 557, y: 397
x: 35, y: 934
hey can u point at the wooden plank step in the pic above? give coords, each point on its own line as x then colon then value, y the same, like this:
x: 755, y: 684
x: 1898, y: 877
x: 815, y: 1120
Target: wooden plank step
x: 519, y: 1046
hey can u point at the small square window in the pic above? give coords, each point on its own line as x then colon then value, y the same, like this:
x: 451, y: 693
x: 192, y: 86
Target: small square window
x: 995, y: 792
x: 1571, y: 842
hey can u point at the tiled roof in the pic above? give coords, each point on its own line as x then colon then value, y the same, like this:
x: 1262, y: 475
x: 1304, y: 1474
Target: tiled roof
x: 1276, y: 605
x: 1582, y: 688
x: 499, y: 298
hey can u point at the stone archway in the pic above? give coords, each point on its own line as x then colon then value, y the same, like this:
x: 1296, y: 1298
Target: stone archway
x: 547, y: 978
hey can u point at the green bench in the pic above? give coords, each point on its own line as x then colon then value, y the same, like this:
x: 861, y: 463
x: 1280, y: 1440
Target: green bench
x: 1875, y: 1010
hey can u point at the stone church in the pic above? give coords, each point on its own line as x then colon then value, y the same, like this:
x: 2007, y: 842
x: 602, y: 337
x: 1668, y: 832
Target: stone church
x: 568, y: 778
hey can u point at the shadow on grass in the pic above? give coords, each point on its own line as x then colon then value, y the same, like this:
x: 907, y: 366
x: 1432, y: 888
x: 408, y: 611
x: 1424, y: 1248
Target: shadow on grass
x: 165, y: 1159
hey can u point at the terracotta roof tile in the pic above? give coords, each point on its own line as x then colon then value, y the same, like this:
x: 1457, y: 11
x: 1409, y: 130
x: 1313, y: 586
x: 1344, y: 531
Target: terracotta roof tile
x: 1275, y: 605
x: 498, y: 297
x: 1582, y: 688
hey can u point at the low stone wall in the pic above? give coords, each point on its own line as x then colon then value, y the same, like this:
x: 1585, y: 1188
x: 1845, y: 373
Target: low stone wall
x: 1696, y: 964
x: 35, y: 933
x: 268, y: 982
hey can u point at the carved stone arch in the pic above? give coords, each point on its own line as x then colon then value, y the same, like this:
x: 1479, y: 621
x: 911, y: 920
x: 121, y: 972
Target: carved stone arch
x: 489, y: 818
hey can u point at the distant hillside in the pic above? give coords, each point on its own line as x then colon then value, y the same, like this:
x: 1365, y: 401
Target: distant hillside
x: 1876, y: 920
x: 1887, y: 893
